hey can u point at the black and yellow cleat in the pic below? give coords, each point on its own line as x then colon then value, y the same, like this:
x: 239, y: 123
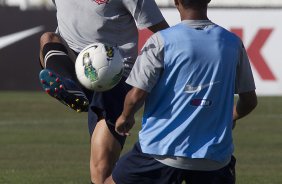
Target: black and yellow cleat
x: 64, y: 90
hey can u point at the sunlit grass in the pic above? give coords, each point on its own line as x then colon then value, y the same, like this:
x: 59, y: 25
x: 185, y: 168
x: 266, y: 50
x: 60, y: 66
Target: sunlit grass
x: 42, y: 141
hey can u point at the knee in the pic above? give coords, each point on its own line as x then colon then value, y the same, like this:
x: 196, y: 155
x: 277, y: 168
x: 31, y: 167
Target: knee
x: 48, y: 37
x: 100, y: 168
x: 99, y: 172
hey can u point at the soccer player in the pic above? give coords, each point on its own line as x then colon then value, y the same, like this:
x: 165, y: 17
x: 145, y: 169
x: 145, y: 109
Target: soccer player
x: 80, y: 23
x: 187, y: 76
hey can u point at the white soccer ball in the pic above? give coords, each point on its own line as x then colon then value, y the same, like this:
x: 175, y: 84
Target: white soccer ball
x: 99, y: 67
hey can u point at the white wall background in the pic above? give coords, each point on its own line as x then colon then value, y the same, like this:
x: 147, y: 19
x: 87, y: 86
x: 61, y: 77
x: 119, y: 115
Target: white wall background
x: 24, y: 4
x: 164, y: 3
x: 231, y: 3
x: 250, y: 21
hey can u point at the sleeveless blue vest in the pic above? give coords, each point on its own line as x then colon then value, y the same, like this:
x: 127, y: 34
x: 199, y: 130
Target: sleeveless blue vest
x: 189, y: 111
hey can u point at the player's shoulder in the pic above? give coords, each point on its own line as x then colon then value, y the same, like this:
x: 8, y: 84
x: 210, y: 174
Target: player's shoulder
x: 169, y: 30
x: 227, y: 34
x: 155, y: 42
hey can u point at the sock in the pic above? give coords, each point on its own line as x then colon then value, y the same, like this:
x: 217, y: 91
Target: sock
x: 56, y: 59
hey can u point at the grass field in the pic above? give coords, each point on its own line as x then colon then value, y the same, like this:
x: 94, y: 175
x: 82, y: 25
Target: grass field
x: 43, y: 142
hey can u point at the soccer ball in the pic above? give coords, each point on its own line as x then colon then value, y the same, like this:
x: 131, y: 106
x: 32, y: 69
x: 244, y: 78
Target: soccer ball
x: 99, y: 67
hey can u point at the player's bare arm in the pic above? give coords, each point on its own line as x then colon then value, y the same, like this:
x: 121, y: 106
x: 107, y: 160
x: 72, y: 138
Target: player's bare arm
x: 134, y: 100
x: 246, y: 103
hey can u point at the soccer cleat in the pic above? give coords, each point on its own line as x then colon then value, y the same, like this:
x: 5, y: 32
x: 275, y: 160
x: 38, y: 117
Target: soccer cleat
x: 64, y: 90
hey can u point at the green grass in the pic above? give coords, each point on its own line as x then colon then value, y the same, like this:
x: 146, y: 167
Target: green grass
x: 42, y: 141
x: 258, y: 143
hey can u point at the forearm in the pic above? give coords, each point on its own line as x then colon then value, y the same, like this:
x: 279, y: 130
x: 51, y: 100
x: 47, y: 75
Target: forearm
x: 133, y: 102
x: 245, y: 104
x: 240, y: 111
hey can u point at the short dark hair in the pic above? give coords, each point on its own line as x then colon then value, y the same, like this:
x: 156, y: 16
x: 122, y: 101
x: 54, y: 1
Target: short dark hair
x: 195, y: 3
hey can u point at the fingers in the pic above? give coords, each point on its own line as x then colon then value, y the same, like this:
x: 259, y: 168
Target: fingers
x: 123, y: 129
x: 123, y: 125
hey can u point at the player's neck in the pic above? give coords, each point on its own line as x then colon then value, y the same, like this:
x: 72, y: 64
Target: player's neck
x: 194, y: 14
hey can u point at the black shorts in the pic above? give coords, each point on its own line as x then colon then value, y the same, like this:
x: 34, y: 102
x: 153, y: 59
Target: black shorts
x: 140, y: 168
x: 107, y: 105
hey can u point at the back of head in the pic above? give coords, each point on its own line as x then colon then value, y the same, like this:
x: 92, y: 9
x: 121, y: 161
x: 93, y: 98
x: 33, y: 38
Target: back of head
x: 194, y: 3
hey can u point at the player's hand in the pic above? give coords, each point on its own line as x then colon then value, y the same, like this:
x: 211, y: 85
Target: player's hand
x: 124, y: 124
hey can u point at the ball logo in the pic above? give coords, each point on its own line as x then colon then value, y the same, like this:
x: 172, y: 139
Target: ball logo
x: 89, y: 70
x: 99, y: 2
x: 110, y: 51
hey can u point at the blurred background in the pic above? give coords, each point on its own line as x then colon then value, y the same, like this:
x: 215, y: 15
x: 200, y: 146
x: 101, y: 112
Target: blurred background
x: 42, y: 141
x: 255, y: 21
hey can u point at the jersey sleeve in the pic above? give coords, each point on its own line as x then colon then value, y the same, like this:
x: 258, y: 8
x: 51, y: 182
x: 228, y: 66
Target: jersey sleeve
x: 244, y: 76
x: 145, y: 12
x: 149, y: 64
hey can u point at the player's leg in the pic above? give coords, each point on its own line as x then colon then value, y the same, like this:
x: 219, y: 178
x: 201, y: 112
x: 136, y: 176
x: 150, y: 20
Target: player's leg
x: 58, y: 77
x: 106, y: 144
x: 105, y: 151
x: 56, y: 55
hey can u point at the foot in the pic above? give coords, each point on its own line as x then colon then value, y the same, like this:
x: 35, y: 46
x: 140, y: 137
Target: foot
x: 64, y: 90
